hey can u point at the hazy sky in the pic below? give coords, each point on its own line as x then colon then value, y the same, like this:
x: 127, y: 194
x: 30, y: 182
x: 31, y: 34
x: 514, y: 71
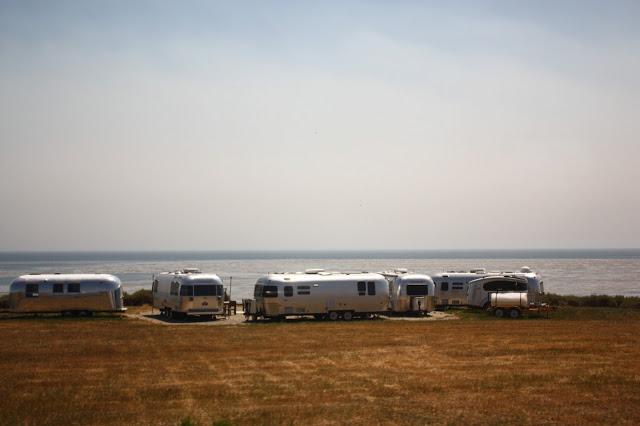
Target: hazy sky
x: 319, y: 125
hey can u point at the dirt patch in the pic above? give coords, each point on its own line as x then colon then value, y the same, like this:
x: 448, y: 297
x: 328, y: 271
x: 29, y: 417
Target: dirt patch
x: 156, y: 318
x: 239, y: 319
x: 432, y: 316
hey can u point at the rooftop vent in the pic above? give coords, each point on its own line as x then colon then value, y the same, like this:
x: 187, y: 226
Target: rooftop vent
x: 189, y: 271
x: 478, y: 271
x: 313, y: 271
x: 525, y: 269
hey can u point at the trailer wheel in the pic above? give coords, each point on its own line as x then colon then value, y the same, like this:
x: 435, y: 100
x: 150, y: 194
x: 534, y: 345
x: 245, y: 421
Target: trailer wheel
x: 333, y: 316
x: 514, y: 313
x: 347, y: 316
x: 499, y: 313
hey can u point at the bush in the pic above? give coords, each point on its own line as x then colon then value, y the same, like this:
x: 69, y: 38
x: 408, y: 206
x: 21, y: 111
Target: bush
x: 594, y: 300
x: 140, y: 297
x: 187, y: 421
x: 223, y: 422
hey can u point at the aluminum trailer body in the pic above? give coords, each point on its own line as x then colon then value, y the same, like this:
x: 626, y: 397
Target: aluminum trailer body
x: 331, y: 295
x: 73, y: 293
x: 188, y: 292
x: 452, y: 288
x: 481, y: 290
x: 410, y: 293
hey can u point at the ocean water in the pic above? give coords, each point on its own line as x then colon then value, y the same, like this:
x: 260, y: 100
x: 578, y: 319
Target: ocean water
x: 579, y: 272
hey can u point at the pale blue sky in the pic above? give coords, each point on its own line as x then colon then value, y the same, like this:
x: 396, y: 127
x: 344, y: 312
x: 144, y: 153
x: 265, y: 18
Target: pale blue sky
x: 286, y: 125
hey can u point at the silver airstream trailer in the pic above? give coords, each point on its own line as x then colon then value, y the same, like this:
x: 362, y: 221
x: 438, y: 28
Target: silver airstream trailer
x: 410, y: 293
x: 452, y: 288
x: 330, y: 295
x: 188, y: 292
x: 66, y: 293
x: 483, y: 289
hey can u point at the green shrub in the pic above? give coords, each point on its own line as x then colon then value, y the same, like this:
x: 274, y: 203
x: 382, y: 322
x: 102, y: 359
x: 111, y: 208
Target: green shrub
x: 223, y: 422
x: 187, y: 421
x: 594, y: 300
x: 140, y: 297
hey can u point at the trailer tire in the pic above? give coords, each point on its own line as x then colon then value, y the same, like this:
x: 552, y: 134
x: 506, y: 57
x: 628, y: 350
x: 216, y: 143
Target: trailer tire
x: 514, y: 313
x: 333, y: 316
x: 347, y: 316
x: 499, y: 313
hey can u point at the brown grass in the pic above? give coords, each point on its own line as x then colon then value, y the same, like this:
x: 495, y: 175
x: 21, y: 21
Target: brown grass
x: 113, y: 371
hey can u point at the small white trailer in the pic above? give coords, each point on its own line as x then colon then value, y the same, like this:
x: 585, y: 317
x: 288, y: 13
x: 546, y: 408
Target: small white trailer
x: 324, y: 295
x: 410, y: 293
x: 79, y: 294
x: 188, y: 292
x: 516, y: 304
x: 508, y: 303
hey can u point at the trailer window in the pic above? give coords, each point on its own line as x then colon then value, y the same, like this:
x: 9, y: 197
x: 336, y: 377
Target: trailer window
x: 73, y: 288
x: 257, y: 291
x: 505, y: 286
x: 304, y: 290
x: 362, y: 288
x: 288, y: 291
x: 174, y: 288
x: 58, y: 288
x: 270, y: 291
x: 186, y: 290
x: 371, y: 288
x: 457, y: 286
x: 205, y: 290
x: 220, y: 290
x: 31, y: 290
x: 417, y: 290
x: 444, y: 286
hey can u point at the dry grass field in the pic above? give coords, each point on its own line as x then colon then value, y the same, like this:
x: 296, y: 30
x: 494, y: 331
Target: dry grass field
x: 126, y: 371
